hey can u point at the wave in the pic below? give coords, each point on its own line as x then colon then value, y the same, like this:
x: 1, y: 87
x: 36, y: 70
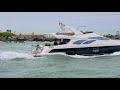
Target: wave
x: 10, y: 55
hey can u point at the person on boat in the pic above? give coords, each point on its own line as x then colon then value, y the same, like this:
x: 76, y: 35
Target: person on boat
x: 37, y: 47
x: 55, y: 43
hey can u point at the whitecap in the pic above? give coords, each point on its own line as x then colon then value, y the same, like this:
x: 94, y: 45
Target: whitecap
x: 9, y: 55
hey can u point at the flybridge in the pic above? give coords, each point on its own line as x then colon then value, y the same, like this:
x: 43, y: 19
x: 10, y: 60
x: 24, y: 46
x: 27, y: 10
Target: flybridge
x: 70, y: 31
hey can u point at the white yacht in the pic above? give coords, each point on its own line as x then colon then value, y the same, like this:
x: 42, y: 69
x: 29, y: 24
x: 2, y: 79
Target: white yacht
x: 75, y: 42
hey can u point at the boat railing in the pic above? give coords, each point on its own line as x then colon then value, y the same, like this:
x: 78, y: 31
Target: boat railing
x: 64, y: 33
x: 49, y: 44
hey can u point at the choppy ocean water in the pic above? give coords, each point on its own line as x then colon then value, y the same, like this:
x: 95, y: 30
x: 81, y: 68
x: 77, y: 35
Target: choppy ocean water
x: 16, y: 61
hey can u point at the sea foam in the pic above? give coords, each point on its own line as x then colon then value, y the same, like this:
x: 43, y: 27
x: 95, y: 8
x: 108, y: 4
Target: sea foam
x: 9, y: 55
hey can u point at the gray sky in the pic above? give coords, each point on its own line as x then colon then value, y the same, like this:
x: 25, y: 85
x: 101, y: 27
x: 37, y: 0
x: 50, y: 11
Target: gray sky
x: 47, y: 22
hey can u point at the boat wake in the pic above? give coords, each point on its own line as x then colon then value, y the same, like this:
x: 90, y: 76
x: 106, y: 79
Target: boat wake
x: 10, y: 55
x: 81, y: 56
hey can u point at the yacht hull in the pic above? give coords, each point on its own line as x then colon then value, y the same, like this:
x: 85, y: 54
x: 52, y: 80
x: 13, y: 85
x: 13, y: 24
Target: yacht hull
x: 88, y: 51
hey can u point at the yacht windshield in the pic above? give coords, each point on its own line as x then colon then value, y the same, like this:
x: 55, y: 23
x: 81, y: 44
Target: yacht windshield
x: 79, y: 41
x: 89, y: 42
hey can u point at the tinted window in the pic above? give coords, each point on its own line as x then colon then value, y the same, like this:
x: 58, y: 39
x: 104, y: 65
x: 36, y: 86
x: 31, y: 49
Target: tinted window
x: 79, y: 41
x: 88, y: 42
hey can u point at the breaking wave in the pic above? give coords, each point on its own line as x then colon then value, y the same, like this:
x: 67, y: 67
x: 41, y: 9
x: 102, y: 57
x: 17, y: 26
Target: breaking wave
x: 9, y: 55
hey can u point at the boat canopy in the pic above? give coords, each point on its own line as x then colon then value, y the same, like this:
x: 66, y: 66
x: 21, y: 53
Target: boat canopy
x: 68, y: 29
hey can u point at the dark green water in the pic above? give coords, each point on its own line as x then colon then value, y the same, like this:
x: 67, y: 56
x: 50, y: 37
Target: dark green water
x: 16, y: 61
